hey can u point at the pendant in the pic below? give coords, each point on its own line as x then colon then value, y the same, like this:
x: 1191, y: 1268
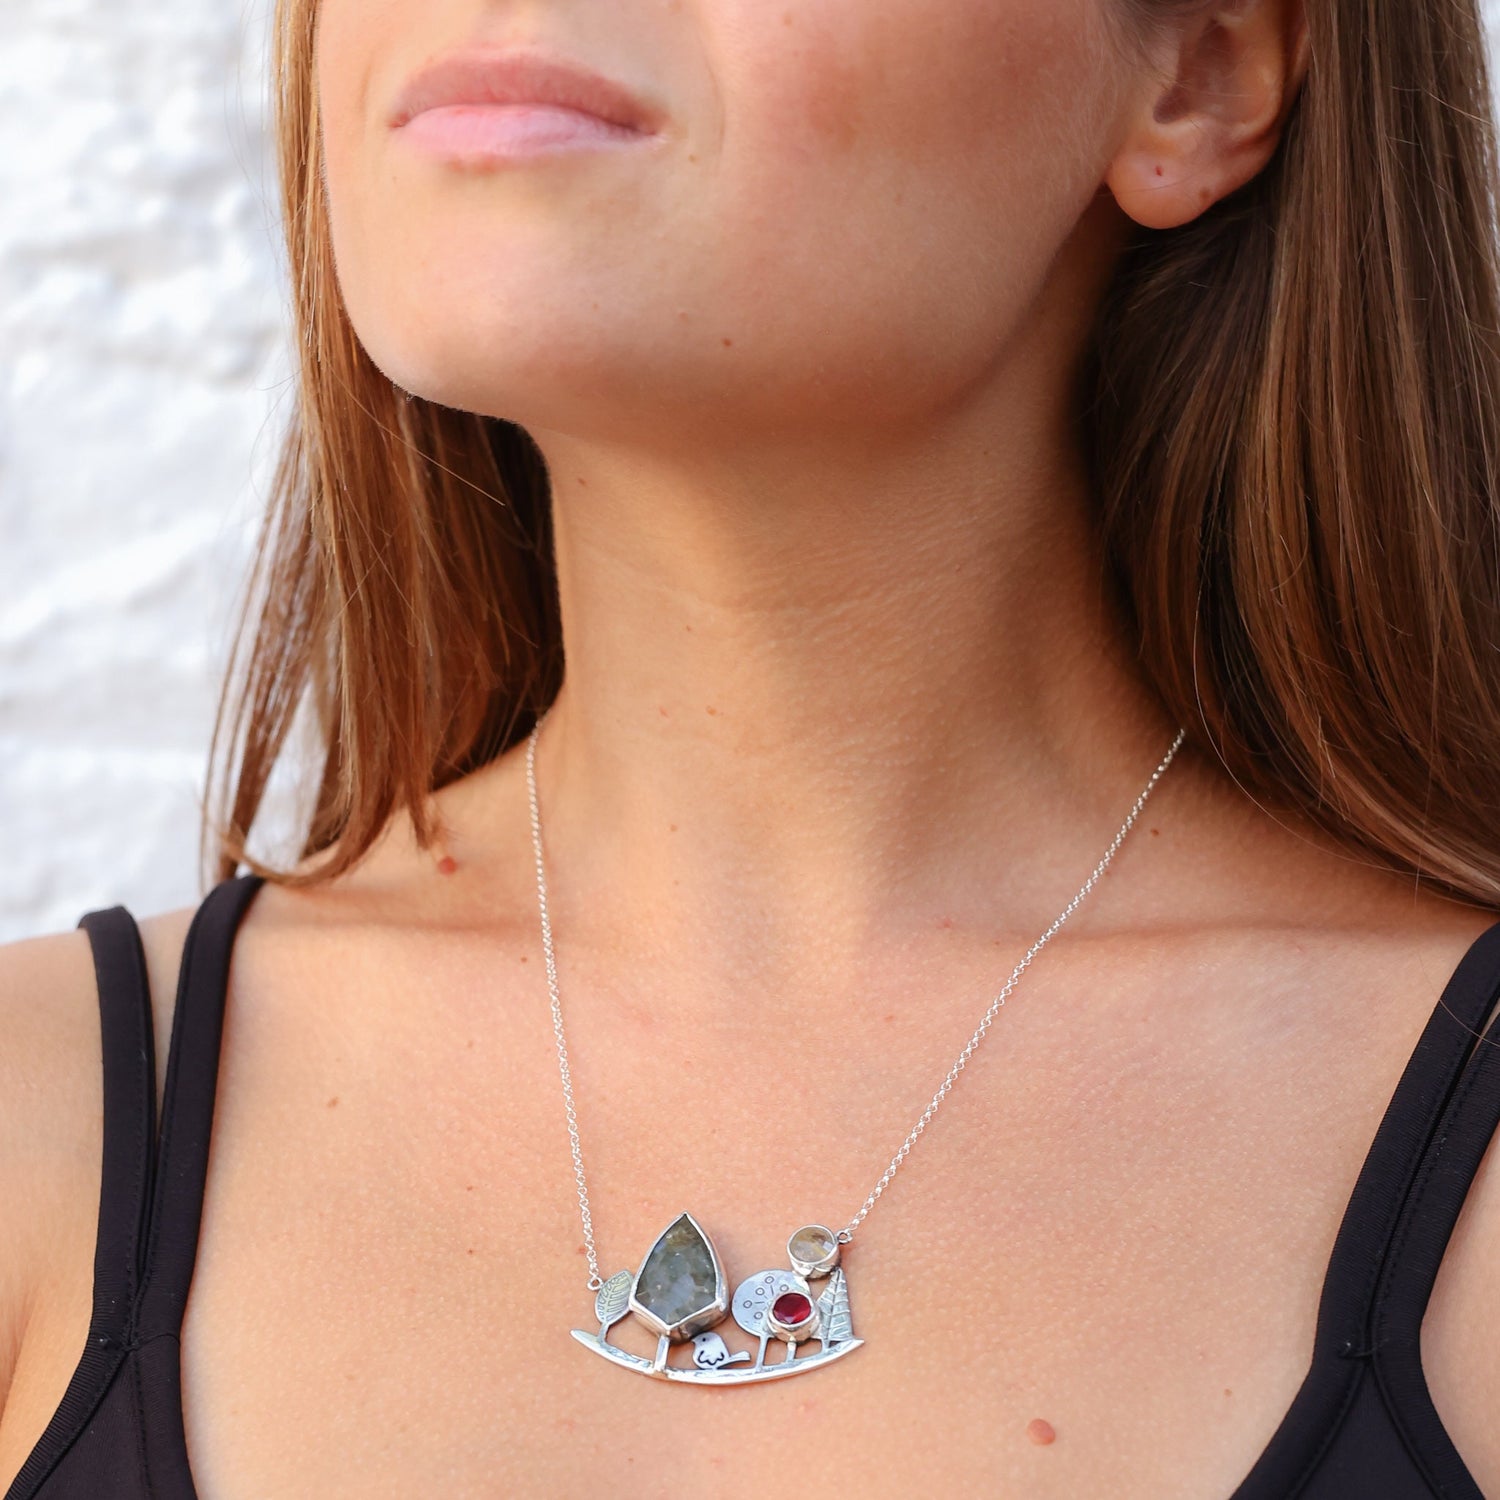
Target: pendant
x: 681, y: 1295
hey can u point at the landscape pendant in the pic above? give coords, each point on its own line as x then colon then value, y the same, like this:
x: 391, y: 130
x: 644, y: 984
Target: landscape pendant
x: 680, y: 1294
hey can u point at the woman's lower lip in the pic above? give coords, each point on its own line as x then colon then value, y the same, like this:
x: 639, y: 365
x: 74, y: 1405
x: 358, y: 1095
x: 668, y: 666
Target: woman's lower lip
x: 493, y: 131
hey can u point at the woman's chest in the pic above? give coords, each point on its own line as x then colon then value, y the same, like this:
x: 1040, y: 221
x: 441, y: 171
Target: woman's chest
x: 385, y: 1296
x: 1125, y: 1242
x: 379, y: 1359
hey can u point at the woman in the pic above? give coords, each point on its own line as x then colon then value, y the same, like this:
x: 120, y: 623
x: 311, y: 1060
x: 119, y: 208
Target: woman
x: 908, y: 418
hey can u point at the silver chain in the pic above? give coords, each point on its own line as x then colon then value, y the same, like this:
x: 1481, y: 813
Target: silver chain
x: 595, y: 1281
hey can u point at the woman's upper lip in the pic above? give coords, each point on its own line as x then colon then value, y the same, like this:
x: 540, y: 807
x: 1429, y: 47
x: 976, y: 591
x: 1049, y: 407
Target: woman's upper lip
x: 517, y: 77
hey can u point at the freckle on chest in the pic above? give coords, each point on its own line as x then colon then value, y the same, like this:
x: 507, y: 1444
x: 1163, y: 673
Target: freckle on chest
x: 1040, y: 1431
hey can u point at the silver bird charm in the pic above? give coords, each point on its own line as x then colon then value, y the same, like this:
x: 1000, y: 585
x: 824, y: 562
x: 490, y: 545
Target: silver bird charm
x: 710, y: 1352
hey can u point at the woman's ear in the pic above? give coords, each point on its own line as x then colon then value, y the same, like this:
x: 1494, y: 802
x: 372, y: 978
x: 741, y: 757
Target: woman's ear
x: 1209, y: 117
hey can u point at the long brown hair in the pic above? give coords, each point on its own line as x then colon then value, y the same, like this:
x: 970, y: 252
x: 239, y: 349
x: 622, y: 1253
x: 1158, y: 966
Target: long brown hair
x: 1291, y: 410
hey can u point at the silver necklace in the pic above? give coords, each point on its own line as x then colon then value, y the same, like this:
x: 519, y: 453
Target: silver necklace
x: 680, y: 1292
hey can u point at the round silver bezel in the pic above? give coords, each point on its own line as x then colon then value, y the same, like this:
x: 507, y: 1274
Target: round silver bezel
x: 812, y: 1269
x: 794, y: 1333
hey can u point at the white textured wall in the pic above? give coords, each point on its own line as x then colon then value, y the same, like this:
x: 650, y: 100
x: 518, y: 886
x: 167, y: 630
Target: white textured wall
x: 142, y: 385
x: 142, y: 381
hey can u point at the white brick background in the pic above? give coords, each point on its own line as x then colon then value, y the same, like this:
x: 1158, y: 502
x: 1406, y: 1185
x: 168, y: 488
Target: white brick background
x: 142, y: 380
x: 142, y: 388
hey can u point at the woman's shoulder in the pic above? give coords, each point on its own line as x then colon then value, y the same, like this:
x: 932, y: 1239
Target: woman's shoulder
x: 1351, y: 996
x: 51, y: 1120
x: 1460, y: 1332
x: 50, y: 1092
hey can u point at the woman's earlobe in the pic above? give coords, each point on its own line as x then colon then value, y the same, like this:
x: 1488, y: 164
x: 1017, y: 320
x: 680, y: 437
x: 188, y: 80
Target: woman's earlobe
x: 1162, y: 193
x: 1215, y: 120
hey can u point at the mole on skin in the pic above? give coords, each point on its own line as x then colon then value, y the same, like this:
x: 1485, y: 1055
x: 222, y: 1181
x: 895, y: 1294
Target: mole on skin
x: 1039, y: 1430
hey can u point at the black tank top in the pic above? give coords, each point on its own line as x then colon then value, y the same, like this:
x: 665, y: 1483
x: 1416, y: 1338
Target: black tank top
x: 1362, y: 1426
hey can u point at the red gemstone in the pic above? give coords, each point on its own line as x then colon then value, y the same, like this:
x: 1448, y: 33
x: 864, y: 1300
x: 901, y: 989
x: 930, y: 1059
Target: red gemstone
x: 791, y: 1308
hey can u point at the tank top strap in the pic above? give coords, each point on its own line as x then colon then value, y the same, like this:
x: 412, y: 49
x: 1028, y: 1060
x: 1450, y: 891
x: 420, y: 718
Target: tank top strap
x: 129, y: 1066
x: 1418, y: 1168
x: 188, y: 1106
x: 1442, y: 1181
x: 129, y: 1059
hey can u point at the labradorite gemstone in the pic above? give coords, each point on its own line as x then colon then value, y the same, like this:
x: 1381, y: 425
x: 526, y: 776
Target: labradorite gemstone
x: 678, y: 1278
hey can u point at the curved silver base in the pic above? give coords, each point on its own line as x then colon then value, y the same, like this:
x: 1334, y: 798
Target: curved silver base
x: 715, y: 1377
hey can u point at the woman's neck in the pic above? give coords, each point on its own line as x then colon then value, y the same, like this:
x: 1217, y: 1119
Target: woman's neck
x: 829, y: 697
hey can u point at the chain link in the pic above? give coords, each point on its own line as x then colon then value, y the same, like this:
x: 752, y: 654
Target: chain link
x: 595, y: 1281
